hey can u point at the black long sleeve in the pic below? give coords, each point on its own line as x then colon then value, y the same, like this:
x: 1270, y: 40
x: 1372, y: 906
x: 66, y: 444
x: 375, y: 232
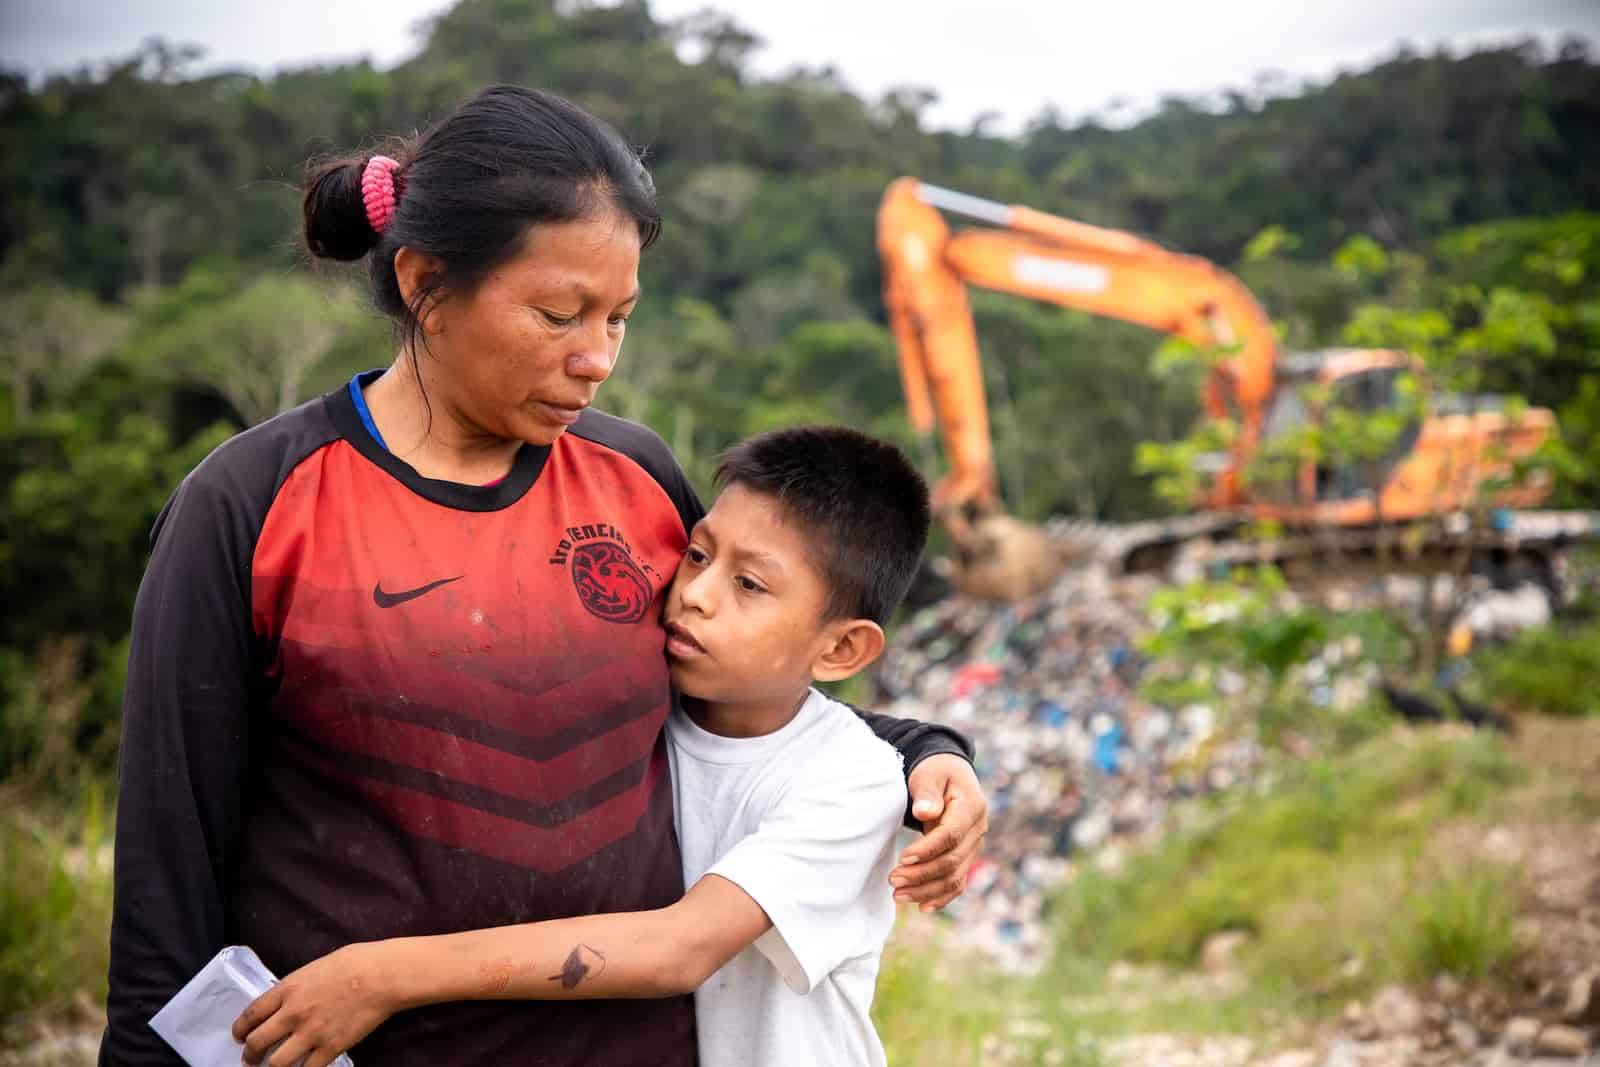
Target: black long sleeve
x: 183, y: 756
x: 916, y: 741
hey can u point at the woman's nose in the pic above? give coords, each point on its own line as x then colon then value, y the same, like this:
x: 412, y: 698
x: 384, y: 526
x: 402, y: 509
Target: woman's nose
x: 591, y: 364
x: 595, y: 357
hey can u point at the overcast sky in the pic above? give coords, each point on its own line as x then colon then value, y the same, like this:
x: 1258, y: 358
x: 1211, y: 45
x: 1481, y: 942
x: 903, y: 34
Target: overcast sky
x: 1012, y: 57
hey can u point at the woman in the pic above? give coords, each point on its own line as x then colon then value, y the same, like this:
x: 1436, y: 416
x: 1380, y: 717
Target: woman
x: 394, y: 666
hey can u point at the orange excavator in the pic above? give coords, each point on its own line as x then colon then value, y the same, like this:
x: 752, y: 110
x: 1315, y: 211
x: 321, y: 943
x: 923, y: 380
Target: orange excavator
x: 1435, y: 473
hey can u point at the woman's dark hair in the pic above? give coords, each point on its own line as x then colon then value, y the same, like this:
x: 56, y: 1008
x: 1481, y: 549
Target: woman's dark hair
x: 471, y: 187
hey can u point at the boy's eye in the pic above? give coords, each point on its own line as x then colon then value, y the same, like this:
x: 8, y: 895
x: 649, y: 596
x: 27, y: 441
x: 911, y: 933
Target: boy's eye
x: 619, y: 320
x: 749, y: 585
x: 694, y: 555
x: 558, y: 320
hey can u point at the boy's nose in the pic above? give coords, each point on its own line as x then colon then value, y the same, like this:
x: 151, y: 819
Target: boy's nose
x: 692, y: 592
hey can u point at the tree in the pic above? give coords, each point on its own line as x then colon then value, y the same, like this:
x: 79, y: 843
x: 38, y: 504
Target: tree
x: 257, y: 347
x: 50, y: 336
x: 77, y: 520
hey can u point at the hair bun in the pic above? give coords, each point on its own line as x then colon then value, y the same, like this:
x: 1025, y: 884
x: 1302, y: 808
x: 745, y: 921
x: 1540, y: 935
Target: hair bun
x: 336, y: 224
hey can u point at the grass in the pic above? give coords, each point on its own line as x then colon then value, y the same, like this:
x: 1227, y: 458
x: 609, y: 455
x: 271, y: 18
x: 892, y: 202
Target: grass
x: 55, y: 909
x: 1337, y: 872
x: 1328, y: 831
x: 929, y: 1009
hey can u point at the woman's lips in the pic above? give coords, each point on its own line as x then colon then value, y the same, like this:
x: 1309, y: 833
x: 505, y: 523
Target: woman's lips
x: 565, y: 416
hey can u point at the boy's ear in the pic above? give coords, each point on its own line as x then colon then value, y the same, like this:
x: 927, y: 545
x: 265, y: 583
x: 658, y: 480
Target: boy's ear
x: 855, y: 644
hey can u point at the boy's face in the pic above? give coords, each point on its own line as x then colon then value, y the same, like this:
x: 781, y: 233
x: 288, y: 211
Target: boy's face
x: 744, y: 614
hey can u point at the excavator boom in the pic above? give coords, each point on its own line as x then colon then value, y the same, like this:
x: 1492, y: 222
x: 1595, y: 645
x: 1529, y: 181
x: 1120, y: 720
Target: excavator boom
x: 1030, y: 253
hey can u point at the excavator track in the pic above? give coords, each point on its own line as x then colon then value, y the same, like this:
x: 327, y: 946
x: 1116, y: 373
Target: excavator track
x: 1508, y: 548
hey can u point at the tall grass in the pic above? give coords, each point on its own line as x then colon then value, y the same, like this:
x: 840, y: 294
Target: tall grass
x: 55, y: 907
x: 1463, y: 924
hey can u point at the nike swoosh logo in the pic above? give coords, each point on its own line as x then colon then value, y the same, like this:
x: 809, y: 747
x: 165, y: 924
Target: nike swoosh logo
x: 389, y: 600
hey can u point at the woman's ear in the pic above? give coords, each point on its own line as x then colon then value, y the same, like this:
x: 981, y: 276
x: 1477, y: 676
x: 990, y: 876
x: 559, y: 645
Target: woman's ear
x: 853, y: 644
x: 415, y: 272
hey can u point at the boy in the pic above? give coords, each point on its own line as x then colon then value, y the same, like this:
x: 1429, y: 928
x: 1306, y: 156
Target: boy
x: 786, y: 803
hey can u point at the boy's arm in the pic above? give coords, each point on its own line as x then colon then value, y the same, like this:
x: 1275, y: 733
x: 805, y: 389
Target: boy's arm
x: 327, y: 1006
x: 662, y: 953
x: 946, y: 803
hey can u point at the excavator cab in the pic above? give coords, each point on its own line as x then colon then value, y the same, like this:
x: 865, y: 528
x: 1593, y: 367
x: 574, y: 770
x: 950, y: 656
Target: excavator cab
x: 1438, y: 462
x: 1362, y: 382
x: 1367, y: 392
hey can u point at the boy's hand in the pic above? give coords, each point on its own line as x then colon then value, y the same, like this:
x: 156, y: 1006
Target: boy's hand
x: 318, y: 1011
x: 948, y: 800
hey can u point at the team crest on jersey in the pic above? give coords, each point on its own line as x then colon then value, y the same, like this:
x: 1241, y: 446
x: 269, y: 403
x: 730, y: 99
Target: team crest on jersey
x: 611, y: 581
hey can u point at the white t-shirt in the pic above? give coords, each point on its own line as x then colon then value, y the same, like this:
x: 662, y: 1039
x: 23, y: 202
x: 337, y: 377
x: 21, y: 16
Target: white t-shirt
x: 804, y: 821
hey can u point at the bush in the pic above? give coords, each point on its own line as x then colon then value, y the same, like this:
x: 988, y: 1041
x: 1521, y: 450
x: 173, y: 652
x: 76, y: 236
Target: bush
x: 1548, y: 670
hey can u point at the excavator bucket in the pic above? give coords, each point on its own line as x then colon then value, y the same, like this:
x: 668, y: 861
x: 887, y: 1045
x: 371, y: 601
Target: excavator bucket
x: 999, y: 557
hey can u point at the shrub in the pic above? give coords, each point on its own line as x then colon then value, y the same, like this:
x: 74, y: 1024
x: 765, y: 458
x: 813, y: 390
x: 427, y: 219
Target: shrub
x: 1547, y: 670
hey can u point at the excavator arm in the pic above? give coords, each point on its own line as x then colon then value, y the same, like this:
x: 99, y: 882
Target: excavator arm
x: 1051, y: 259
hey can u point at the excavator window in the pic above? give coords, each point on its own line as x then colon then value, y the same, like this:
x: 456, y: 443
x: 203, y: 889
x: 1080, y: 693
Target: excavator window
x: 1286, y: 413
x: 1366, y: 392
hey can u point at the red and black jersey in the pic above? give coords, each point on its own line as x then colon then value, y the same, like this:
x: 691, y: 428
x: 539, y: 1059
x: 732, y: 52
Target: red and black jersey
x: 365, y: 704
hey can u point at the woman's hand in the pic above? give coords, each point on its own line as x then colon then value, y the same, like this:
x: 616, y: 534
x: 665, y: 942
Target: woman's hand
x: 318, y: 1011
x: 947, y: 799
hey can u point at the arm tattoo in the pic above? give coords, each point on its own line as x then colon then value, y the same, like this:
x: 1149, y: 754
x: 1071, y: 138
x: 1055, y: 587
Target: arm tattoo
x: 580, y: 961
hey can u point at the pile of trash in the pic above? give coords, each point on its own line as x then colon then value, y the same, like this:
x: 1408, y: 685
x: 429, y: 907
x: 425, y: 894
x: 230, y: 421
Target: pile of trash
x: 1069, y: 753
x: 1072, y: 757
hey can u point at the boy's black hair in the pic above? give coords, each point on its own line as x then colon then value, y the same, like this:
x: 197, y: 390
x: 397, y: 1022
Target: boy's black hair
x: 858, y: 501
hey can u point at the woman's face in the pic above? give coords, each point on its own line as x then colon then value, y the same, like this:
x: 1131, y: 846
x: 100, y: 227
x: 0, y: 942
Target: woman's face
x: 522, y: 355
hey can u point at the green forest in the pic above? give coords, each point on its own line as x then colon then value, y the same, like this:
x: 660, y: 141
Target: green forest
x: 156, y: 300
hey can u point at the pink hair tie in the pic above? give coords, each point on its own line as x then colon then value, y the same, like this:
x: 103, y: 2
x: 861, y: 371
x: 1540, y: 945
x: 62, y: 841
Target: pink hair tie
x: 380, y: 191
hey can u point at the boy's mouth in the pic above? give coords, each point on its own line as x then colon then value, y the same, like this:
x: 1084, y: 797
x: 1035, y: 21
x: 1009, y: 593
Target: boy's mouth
x: 681, y: 644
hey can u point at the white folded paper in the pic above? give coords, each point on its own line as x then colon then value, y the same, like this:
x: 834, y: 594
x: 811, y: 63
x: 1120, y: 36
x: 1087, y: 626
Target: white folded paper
x: 198, y: 1020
